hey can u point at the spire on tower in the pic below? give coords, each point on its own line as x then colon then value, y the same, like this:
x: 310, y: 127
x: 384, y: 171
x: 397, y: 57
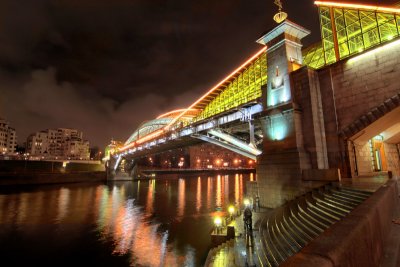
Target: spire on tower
x: 280, y: 16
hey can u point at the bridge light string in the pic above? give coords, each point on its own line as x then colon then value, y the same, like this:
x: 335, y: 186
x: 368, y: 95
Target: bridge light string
x: 184, y: 111
x: 357, y: 6
x: 174, y: 111
x: 142, y: 140
x: 217, y: 86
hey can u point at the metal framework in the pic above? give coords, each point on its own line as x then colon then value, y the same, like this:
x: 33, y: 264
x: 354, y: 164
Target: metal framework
x: 243, y: 88
x: 348, y: 29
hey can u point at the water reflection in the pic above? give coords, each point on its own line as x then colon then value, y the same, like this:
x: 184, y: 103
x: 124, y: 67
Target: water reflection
x: 181, y: 197
x: 198, y: 195
x: 150, y: 223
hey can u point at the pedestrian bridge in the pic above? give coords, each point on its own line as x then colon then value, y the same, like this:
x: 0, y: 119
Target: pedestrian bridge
x: 317, y: 107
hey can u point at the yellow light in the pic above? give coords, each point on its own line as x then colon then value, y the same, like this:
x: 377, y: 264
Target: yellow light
x: 218, y: 221
x: 142, y: 140
x: 246, y: 202
x: 174, y: 111
x: 357, y: 6
x: 218, y: 85
x: 231, y: 209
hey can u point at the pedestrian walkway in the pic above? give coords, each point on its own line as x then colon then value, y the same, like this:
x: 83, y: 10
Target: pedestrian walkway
x: 235, y: 252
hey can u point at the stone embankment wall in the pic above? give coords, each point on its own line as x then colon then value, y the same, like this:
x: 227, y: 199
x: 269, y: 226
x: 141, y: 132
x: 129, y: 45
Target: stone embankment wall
x: 358, y: 239
x: 16, y: 172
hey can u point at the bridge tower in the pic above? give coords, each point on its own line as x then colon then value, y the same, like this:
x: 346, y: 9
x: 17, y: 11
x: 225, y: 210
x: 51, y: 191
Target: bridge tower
x: 280, y: 166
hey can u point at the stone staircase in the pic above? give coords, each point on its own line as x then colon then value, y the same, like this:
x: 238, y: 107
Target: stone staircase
x: 223, y: 255
x: 295, y: 224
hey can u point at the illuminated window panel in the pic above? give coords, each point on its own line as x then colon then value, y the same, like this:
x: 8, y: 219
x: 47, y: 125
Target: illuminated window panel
x: 244, y: 88
x: 356, y: 30
x: 387, y: 26
x: 330, y: 56
x: 314, y: 56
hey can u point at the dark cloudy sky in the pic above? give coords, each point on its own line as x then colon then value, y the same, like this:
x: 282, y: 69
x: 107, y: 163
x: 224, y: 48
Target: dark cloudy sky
x: 104, y: 66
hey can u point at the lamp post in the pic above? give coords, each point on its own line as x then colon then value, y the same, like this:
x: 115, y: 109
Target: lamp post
x: 217, y: 222
x: 231, y: 210
x: 246, y: 202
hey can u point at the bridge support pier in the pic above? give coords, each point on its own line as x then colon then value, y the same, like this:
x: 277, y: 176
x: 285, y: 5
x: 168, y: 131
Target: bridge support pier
x: 284, y: 157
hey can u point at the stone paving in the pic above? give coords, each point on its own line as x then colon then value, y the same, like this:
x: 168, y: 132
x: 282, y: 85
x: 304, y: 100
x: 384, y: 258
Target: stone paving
x: 235, y: 252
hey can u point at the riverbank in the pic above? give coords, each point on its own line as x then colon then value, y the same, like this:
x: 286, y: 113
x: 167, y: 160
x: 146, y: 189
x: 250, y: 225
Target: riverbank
x: 147, y: 174
x: 196, y: 171
x: 37, y: 172
x: 12, y: 179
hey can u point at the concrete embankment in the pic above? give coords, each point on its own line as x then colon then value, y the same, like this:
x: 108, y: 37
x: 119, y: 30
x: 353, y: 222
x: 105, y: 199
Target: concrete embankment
x: 358, y: 239
x: 17, y: 172
x: 197, y: 171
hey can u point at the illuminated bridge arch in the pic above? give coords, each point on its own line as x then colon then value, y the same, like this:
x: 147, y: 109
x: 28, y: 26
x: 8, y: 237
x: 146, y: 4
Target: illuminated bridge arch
x: 152, y: 126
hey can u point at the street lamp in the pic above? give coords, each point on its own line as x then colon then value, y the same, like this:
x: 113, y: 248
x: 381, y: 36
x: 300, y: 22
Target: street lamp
x: 231, y: 210
x: 217, y: 222
x: 246, y: 202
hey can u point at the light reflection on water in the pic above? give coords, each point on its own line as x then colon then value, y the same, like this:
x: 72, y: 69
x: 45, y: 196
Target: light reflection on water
x: 163, y: 222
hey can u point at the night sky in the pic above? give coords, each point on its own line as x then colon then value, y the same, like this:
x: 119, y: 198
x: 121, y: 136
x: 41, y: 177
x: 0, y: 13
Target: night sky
x: 104, y: 66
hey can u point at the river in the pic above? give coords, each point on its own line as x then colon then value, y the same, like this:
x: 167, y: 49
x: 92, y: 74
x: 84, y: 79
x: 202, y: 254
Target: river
x: 160, y: 222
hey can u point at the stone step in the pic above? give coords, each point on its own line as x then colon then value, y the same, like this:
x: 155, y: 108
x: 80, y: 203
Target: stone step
x: 290, y: 228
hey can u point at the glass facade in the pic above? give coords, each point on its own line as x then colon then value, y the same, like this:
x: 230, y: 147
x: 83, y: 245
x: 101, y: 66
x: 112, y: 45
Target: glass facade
x: 244, y: 88
x: 346, y: 32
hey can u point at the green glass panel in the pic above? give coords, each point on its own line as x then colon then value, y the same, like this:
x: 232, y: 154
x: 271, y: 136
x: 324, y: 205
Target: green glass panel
x: 368, y: 20
x: 383, y: 18
x: 330, y: 56
x: 326, y: 32
x: 356, y: 44
x: 244, y: 88
x: 351, y: 16
x: 371, y: 38
x: 398, y: 23
x: 328, y: 44
x: 343, y: 49
x: 338, y: 12
x: 388, y: 30
x: 325, y: 16
x: 342, y: 36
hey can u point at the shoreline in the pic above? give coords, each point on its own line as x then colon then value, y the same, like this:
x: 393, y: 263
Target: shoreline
x: 43, y: 178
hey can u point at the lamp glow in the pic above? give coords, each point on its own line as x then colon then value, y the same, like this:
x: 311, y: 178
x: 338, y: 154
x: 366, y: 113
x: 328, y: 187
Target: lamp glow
x: 231, y: 210
x: 218, y: 221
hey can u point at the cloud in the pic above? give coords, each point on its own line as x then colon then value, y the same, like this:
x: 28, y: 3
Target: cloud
x: 105, y: 66
x: 41, y: 102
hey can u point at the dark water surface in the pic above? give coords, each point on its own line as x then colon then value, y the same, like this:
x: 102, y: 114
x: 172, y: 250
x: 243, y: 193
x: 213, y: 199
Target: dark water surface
x: 162, y: 222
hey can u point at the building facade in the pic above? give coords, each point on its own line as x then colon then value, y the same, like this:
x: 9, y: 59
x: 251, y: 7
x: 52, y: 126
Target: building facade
x: 8, y: 138
x: 61, y: 143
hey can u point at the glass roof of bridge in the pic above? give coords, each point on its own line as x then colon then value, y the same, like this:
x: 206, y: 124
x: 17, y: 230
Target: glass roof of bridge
x: 349, y: 29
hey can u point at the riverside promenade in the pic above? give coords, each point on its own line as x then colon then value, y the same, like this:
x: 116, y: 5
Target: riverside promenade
x: 236, y: 253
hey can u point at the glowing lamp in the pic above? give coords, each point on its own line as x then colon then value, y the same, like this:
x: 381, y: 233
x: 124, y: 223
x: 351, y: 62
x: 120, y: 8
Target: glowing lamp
x: 231, y: 210
x: 217, y: 221
x: 246, y: 202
